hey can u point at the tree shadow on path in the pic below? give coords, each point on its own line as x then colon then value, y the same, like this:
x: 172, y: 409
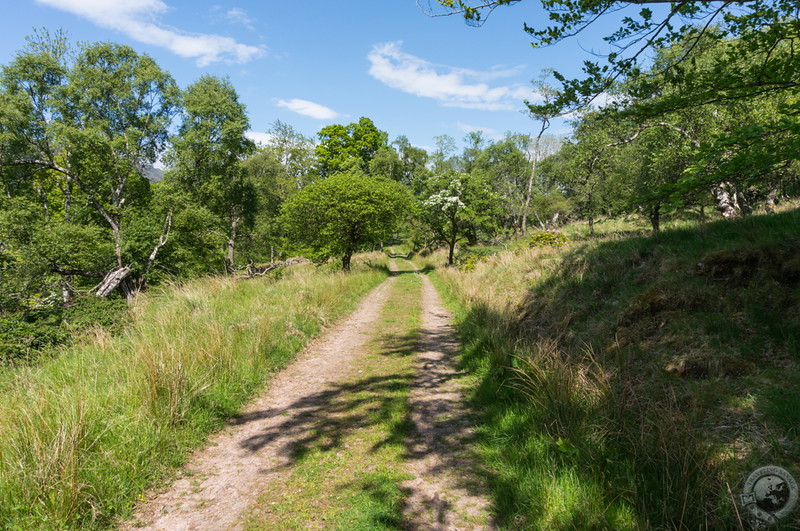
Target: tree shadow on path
x: 326, y: 420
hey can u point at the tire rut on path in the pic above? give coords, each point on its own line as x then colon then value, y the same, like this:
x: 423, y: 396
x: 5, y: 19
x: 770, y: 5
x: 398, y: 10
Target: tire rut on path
x: 222, y: 480
x: 447, y: 491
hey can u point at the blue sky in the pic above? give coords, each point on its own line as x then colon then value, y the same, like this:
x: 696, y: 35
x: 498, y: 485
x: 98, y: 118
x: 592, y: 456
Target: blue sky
x: 318, y: 62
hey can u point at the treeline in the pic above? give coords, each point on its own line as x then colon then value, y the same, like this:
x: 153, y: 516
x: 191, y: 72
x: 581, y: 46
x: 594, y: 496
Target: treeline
x: 81, y: 129
x: 687, y: 136
x: 81, y: 214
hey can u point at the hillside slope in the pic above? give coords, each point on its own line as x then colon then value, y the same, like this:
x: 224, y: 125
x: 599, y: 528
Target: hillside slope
x: 635, y: 382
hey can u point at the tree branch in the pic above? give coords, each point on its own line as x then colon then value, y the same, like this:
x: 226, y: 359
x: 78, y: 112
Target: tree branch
x: 162, y: 240
x: 657, y: 124
x: 64, y: 171
x: 75, y: 272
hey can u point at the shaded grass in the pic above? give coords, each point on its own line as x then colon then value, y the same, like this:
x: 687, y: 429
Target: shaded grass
x: 629, y: 382
x: 348, y: 471
x: 82, y: 435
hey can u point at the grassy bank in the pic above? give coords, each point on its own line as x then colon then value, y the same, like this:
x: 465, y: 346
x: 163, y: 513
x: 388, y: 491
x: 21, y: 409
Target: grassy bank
x: 634, y: 382
x: 84, y: 434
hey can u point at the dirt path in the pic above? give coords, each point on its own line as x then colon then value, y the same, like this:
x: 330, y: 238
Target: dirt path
x: 224, y: 478
x: 447, y: 491
x: 256, y: 451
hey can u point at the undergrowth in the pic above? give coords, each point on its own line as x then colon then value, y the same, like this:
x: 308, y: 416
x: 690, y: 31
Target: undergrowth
x: 633, y: 382
x: 83, y: 434
x: 26, y: 336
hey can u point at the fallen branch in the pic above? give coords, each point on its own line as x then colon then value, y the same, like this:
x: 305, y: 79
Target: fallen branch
x: 260, y: 271
x: 112, y: 281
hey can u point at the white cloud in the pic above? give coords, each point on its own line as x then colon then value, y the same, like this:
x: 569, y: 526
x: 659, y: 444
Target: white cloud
x: 259, y: 137
x: 598, y: 102
x: 453, y: 87
x: 140, y: 20
x: 489, y: 132
x: 238, y: 15
x: 308, y: 108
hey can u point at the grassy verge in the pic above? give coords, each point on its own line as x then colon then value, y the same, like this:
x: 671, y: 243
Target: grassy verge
x: 348, y: 474
x: 82, y: 435
x: 634, y: 382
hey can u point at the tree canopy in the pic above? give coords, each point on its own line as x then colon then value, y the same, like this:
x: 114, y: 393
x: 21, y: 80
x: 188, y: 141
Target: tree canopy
x: 342, y: 146
x: 339, y: 215
x: 206, y: 156
x: 762, y: 35
x: 78, y: 132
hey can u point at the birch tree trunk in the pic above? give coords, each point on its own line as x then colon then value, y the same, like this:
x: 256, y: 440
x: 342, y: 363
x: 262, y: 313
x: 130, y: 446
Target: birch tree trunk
x: 232, y: 244
x: 536, y: 153
x: 725, y: 196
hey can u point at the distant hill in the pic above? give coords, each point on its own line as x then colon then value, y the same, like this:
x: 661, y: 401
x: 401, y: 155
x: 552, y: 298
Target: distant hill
x: 153, y: 174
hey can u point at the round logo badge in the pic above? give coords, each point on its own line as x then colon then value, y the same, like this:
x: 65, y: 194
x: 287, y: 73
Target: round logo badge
x: 770, y: 494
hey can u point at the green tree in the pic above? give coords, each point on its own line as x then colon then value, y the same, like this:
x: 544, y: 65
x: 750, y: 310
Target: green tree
x: 459, y: 207
x: 505, y: 165
x: 342, y: 147
x: 444, y: 157
x: 583, y: 169
x: 740, y: 151
x: 413, y: 162
x: 78, y: 132
x: 341, y: 214
x: 764, y: 31
x: 278, y: 169
x: 206, y: 157
x: 685, y: 57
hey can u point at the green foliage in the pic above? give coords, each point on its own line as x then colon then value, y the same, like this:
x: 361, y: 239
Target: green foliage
x: 341, y: 214
x: 205, y: 159
x: 353, y: 146
x: 459, y: 207
x: 86, y: 312
x: 26, y: 336
x: 81, y: 129
x: 549, y: 238
x: 23, y: 340
x: 468, y: 257
x: 761, y: 31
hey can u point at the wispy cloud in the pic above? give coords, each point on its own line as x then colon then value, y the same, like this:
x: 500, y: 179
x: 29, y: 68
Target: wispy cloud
x: 308, y: 108
x: 488, y: 131
x: 238, y: 15
x: 260, y: 138
x: 141, y: 21
x: 452, y: 86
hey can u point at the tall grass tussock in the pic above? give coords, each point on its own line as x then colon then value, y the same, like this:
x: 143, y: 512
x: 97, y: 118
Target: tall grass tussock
x: 633, y: 382
x: 85, y: 433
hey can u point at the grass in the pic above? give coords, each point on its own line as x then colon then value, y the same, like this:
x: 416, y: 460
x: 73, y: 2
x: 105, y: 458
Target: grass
x: 629, y: 381
x: 83, y: 434
x: 349, y: 474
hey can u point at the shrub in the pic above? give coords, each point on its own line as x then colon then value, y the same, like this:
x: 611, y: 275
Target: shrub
x: 549, y: 238
x: 22, y: 338
x: 468, y: 257
x: 25, y: 336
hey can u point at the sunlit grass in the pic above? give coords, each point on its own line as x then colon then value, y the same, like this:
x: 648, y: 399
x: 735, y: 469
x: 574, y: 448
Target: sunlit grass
x: 85, y: 433
x: 629, y: 379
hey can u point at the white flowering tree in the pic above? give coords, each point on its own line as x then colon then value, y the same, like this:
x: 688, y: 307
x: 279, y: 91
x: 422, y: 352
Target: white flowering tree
x: 456, y: 206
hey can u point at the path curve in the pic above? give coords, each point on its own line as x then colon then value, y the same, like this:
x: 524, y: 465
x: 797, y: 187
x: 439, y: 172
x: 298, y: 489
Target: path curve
x: 223, y: 479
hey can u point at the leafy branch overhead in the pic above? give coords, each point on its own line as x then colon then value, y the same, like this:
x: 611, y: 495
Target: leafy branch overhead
x: 763, y: 31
